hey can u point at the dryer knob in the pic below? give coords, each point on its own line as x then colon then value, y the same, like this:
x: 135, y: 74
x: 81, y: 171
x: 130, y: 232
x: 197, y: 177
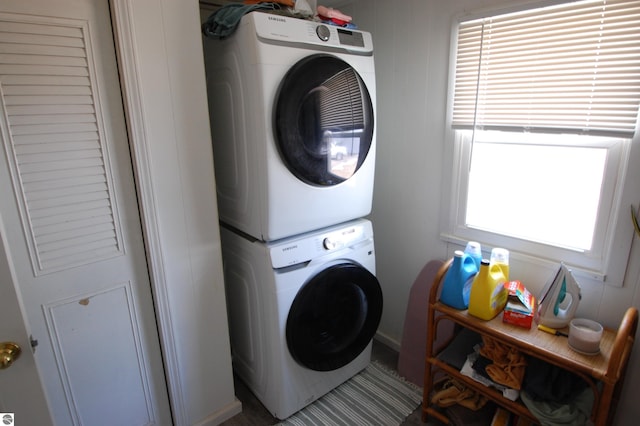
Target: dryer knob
x: 323, y: 32
x: 329, y: 244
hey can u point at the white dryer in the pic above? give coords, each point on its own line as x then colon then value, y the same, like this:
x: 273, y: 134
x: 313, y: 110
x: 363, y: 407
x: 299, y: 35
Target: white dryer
x: 292, y: 111
x: 302, y: 311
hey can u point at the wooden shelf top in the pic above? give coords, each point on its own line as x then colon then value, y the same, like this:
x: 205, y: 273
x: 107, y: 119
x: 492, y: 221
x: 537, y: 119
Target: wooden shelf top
x: 554, y: 349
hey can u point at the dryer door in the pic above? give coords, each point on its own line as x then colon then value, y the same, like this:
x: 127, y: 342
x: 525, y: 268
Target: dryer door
x: 334, y: 317
x: 323, y: 120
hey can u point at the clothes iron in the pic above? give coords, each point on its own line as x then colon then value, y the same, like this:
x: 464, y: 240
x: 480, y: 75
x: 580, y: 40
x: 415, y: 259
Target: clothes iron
x: 559, y: 299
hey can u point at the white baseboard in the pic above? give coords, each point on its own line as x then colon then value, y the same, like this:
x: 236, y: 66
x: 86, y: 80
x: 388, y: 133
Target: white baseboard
x: 223, y: 414
x: 387, y: 341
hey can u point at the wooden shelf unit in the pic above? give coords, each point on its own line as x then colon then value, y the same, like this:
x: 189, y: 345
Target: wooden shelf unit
x: 603, y: 372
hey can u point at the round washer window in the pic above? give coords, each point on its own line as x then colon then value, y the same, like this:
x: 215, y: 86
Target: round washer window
x: 323, y: 120
x: 334, y: 317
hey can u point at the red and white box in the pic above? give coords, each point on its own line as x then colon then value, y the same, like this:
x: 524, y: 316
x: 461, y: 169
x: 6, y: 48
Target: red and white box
x: 521, y: 305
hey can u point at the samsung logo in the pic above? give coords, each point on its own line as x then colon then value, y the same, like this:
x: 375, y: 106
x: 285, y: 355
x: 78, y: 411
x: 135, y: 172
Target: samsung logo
x: 274, y: 18
x: 290, y: 248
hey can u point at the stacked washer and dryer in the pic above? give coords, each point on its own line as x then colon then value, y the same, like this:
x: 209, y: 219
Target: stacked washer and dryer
x: 292, y: 107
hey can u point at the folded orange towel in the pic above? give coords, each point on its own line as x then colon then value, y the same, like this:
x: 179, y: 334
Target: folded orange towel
x: 509, y: 365
x: 288, y: 3
x: 450, y: 391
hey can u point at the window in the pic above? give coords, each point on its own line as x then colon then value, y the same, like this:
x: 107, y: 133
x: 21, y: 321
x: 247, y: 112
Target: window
x: 544, y: 115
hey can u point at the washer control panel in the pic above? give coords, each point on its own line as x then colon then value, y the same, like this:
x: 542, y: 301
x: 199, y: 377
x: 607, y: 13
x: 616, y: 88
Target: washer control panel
x: 343, y: 238
x: 295, y: 250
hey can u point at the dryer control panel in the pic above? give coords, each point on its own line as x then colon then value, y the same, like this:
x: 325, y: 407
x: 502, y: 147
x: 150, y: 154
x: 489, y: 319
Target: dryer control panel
x: 278, y: 29
x: 295, y: 250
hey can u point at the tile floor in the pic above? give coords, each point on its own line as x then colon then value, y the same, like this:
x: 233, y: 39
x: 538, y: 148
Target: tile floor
x: 254, y: 414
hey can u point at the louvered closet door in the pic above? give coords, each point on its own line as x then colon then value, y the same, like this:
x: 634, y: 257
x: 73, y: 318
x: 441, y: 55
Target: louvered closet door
x: 70, y: 215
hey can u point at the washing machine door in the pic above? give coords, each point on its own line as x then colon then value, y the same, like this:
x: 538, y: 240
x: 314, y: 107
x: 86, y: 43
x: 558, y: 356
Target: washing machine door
x: 323, y: 120
x: 334, y: 317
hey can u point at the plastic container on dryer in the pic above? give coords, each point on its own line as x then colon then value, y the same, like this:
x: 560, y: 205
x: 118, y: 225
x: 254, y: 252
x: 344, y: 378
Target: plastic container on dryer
x: 488, y: 294
x: 457, y: 281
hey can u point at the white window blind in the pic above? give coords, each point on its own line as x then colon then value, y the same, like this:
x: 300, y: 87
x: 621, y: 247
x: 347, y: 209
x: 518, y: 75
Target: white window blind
x: 570, y: 68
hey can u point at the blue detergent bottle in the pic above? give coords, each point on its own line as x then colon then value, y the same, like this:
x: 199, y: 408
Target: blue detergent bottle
x: 457, y: 282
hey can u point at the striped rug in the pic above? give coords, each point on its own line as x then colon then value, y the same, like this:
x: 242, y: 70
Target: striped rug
x: 374, y: 397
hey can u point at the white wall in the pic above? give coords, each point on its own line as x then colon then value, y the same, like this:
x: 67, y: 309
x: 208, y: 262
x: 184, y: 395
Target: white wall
x: 162, y: 66
x: 412, y: 46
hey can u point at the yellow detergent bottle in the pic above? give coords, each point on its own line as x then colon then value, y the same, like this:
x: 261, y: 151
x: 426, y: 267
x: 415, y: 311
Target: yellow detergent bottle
x: 488, y: 294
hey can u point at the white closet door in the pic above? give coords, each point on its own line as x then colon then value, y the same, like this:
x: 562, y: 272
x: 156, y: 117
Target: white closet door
x: 71, y: 223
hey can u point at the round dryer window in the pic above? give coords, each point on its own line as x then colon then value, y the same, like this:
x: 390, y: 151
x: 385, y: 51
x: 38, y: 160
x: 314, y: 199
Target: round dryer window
x: 334, y: 317
x: 323, y: 120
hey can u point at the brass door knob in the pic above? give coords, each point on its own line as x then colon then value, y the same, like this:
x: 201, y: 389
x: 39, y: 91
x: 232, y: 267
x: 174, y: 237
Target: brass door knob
x: 9, y: 352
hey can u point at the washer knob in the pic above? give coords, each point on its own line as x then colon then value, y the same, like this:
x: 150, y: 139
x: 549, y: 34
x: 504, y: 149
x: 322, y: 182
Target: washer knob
x: 329, y: 244
x: 323, y: 32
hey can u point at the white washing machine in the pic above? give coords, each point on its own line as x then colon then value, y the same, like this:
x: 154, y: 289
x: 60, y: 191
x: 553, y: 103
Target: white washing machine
x: 302, y: 311
x: 292, y: 108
